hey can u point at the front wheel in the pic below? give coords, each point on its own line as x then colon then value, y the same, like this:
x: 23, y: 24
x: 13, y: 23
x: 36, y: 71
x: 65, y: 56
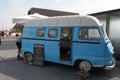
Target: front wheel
x: 28, y: 58
x: 84, y: 65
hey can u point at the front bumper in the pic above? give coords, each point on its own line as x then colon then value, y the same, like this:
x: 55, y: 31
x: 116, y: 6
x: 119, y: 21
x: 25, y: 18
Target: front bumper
x: 111, y: 66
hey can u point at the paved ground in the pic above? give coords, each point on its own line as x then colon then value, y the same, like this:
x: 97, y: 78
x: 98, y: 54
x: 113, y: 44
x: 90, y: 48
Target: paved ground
x: 12, y: 69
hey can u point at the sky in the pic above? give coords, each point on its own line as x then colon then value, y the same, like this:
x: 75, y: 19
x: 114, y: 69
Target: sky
x: 16, y: 8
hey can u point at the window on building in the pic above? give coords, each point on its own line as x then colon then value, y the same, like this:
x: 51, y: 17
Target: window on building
x: 89, y: 34
x: 40, y: 32
x: 52, y: 33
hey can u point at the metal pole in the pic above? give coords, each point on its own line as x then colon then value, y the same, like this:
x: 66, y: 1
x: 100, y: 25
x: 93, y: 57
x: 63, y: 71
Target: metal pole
x: 108, y: 23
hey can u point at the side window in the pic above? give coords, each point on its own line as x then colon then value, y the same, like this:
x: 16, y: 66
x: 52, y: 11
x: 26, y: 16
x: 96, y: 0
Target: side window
x: 52, y: 33
x: 89, y: 34
x: 93, y: 34
x: 40, y: 32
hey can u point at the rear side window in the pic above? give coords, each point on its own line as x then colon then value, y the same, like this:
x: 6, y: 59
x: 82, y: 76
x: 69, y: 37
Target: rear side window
x: 89, y: 34
x: 52, y: 33
x: 40, y: 32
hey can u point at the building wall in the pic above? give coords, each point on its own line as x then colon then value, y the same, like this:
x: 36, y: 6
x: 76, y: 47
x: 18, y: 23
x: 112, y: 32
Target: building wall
x: 114, y: 33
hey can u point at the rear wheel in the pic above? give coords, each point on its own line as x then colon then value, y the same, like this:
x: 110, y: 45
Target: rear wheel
x: 84, y: 65
x: 28, y: 58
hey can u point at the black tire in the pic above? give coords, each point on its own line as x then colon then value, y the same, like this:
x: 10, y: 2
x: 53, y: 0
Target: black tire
x: 83, y: 65
x: 28, y: 58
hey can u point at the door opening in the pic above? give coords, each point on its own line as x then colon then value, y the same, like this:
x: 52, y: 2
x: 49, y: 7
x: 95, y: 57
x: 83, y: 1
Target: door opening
x: 65, y: 44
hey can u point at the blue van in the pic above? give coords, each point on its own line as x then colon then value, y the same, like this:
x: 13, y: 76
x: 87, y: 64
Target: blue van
x: 70, y: 40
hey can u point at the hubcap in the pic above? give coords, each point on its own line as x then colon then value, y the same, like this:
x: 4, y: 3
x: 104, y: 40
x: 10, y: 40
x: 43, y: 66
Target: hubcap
x: 28, y: 58
x: 85, y: 65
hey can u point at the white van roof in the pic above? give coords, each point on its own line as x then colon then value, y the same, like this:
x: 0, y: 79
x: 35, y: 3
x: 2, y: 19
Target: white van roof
x: 66, y: 21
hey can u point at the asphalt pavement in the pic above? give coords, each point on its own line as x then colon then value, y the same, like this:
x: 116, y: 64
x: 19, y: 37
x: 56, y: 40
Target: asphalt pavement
x: 13, y: 69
